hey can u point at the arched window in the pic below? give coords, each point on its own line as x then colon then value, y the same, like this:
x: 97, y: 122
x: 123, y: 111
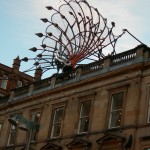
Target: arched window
x: 1, y: 95
x: 4, y: 82
x: 19, y: 84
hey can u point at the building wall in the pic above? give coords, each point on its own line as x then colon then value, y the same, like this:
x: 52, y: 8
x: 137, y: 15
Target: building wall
x: 131, y: 79
x: 13, y: 76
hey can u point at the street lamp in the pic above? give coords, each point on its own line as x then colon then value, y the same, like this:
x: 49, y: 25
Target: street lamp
x: 26, y: 125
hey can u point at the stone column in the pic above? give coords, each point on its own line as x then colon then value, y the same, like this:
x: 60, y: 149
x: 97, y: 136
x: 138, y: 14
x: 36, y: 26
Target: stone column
x: 53, y: 82
x: 78, y: 74
x: 107, y: 62
x: 38, y: 74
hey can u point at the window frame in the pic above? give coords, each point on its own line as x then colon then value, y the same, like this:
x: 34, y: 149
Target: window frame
x: 60, y: 122
x: 10, y: 135
x: 81, y: 117
x: 2, y: 95
x: 110, y: 109
x: 4, y: 82
x: 1, y: 126
x: 19, y: 84
x: 34, y: 134
x: 148, y: 108
x: 146, y: 148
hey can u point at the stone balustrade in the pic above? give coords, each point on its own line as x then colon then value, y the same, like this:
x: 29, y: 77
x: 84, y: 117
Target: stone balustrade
x: 141, y: 53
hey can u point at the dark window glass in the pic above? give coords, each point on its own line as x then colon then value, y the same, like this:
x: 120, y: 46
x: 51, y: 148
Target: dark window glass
x: 116, y: 110
x: 35, y: 120
x: 4, y: 82
x: 84, y: 117
x: 57, y: 121
x: 12, y: 135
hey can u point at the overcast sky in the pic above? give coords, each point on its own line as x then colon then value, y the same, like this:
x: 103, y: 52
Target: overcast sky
x: 20, y: 20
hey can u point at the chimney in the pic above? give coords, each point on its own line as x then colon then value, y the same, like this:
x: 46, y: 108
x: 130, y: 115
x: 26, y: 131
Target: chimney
x: 38, y: 74
x: 16, y: 64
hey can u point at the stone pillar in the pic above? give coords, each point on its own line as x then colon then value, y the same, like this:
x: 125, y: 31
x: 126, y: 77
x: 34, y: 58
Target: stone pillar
x: 11, y: 96
x: 38, y: 74
x: 146, y: 52
x: 53, y: 81
x: 31, y: 89
x: 107, y: 62
x: 16, y: 64
x: 142, y: 51
x: 139, y: 51
x: 78, y: 74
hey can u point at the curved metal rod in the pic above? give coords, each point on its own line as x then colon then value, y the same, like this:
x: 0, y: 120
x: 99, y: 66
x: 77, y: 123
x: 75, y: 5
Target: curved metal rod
x: 133, y: 36
x: 90, y: 25
x: 103, y: 46
x: 76, y: 20
x: 62, y: 29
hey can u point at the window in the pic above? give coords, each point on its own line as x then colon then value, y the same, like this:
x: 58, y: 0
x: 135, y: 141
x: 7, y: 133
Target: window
x: 4, y: 82
x: 84, y: 116
x: 148, y: 148
x: 35, y: 129
x: 19, y: 84
x: 116, y: 110
x: 57, y: 121
x: 148, y: 119
x: 1, y: 95
x: 0, y: 127
x: 12, y: 135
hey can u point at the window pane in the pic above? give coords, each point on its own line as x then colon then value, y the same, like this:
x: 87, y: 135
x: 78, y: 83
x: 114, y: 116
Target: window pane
x: 57, y: 120
x: 56, y: 130
x: 58, y: 115
x: 12, y: 138
x: 4, y: 82
x: 86, y: 107
x: 19, y: 84
x: 115, y: 118
x: 148, y: 119
x: 84, y: 117
x: 12, y: 135
x: 149, y: 115
x: 84, y: 123
x: 116, y: 110
x: 1, y: 95
x: 0, y: 126
x: 36, y: 120
x: 117, y: 101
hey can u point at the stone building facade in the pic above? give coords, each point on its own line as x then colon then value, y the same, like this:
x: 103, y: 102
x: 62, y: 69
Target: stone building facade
x: 102, y: 106
x: 11, y: 78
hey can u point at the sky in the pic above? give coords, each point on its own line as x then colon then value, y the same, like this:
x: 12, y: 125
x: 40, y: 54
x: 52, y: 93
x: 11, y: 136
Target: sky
x: 20, y: 20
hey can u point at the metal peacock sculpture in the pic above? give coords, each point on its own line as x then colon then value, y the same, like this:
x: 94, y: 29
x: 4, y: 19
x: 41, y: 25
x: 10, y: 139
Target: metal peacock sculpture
x: 76, y: 32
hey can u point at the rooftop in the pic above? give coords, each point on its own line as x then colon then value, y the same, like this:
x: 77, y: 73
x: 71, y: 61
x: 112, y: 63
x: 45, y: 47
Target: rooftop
x: 137, y: 55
